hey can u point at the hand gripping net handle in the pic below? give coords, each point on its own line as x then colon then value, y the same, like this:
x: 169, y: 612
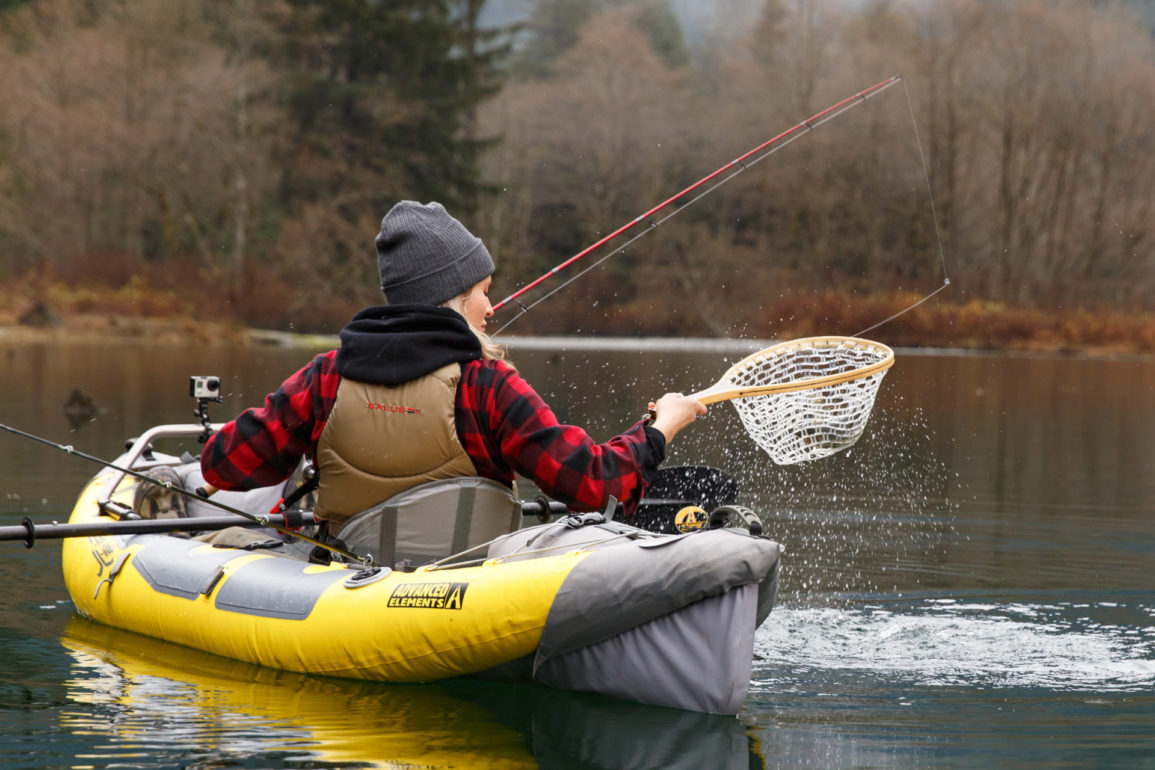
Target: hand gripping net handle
x: 807, y: 398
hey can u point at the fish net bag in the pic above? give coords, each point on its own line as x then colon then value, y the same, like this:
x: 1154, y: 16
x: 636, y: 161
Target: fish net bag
x: 824, y: 391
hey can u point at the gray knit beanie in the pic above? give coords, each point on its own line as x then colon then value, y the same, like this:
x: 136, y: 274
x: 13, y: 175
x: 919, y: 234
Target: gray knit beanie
x: 425, y: 256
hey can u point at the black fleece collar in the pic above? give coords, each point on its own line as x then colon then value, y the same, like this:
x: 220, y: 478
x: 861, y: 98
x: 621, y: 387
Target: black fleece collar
x: 393, y: 344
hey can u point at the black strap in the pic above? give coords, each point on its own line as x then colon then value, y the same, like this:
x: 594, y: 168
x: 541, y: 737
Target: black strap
x: 321, y: 555
x: 308, y: 485
x: 463, y: 521
x: 294, y: 518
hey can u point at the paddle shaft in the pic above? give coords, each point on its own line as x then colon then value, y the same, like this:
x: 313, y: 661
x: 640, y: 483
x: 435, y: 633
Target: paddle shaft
x: 28, y: 531
x: 262, y: 521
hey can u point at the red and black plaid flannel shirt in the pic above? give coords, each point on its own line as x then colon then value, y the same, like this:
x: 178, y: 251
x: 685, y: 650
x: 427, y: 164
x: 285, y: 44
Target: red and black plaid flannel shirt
x: 503, y: 424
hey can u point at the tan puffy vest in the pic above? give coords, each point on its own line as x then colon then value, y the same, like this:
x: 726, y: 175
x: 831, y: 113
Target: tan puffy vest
x: 380, y: 441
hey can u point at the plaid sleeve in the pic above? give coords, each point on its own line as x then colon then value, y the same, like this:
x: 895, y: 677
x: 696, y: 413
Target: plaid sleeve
x: 506, y: 427
x: 263, y: 446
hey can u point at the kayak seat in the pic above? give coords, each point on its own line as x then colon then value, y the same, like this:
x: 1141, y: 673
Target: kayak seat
x: 433, y: 521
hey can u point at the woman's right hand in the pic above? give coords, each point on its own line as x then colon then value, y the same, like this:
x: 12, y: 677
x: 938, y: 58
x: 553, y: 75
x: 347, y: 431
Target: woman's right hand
x: 674, y: 411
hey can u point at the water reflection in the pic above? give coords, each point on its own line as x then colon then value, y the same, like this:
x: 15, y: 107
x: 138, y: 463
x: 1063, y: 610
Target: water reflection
x: 970, y: 584
x: 150, y: 703
x: 80, y: 408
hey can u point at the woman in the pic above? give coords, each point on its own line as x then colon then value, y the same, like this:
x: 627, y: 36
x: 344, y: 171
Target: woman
x: 417, y: 393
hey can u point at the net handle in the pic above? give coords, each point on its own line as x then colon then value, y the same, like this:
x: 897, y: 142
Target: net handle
x: 725, y: 389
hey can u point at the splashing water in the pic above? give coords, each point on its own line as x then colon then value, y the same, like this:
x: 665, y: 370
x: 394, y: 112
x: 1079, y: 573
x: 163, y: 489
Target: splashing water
x: 860, y: 521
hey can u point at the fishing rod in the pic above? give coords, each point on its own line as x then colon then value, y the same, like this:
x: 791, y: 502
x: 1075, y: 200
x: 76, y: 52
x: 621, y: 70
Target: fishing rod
x: 734, y: 167
x: 674, y: 487
x: 28, y: 531
x: 263, y: 521
x: 281, y: 520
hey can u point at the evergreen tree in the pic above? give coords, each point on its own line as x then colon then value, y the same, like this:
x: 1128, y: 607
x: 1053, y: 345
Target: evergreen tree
x: 552, y: 30
x: 661, y: 25
x: 382, y: 95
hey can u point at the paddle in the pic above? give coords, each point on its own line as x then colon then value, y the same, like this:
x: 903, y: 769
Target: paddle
x: 28, y: 531
x: 264, y: 520
x: 673, y: 489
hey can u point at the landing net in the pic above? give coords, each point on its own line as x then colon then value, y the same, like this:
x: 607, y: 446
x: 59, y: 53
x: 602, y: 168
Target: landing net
x: 837, y: 380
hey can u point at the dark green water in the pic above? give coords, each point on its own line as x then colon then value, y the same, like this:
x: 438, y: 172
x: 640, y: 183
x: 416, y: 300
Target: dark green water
x: 969, y: 586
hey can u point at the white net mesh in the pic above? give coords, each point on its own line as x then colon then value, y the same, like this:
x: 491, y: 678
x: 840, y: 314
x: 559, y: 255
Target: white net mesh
x: 818, y: 421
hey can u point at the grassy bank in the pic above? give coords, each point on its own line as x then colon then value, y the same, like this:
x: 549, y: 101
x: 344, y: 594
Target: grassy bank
x: 138, y: 311
x: 971, y: 325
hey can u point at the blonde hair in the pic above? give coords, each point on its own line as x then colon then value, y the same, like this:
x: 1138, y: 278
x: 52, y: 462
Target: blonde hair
x: 489, y: 348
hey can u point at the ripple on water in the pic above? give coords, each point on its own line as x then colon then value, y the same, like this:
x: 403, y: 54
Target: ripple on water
x: 1062, y: 647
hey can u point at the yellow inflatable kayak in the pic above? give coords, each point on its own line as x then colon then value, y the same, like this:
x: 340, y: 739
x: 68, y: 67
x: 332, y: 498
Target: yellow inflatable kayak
x: 580, y: 603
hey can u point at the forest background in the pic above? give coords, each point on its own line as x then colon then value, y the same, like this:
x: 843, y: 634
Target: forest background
x: 227, y: 163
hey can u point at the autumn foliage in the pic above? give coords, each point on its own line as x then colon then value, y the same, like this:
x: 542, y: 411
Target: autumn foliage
x: 232, y: 161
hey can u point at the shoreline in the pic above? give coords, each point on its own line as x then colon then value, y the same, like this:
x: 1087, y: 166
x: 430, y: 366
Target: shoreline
x: 56, y: 311
x: 161, y: 331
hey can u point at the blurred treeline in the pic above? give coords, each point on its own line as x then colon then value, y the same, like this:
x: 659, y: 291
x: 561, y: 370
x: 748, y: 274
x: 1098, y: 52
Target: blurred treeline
x: 242, y: 153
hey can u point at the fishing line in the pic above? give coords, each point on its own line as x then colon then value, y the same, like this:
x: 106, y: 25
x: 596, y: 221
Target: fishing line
x: 655, y: 223
x: 933, y: 216
x: 735, y: 167
x: 738, y: 165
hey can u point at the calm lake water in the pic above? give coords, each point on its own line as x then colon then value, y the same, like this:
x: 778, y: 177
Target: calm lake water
x: 969, y: 586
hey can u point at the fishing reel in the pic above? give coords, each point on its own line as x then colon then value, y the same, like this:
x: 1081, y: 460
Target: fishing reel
x: 205, y: 389
x: 694, y: 517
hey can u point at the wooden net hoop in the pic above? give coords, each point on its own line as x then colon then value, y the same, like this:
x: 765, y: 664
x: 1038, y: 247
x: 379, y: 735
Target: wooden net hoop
x: 830, y: 387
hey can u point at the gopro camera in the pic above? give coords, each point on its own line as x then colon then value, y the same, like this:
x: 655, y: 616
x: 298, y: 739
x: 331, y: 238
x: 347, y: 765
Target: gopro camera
x: 205, y: 388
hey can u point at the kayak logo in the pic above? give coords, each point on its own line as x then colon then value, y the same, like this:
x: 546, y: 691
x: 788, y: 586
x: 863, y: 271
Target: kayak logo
x: 429, y: 596
x: 392, y: 409
x: 102, y: 551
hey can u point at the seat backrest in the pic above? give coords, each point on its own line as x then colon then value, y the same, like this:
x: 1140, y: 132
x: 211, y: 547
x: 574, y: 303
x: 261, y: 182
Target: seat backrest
x: 432, y: 521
